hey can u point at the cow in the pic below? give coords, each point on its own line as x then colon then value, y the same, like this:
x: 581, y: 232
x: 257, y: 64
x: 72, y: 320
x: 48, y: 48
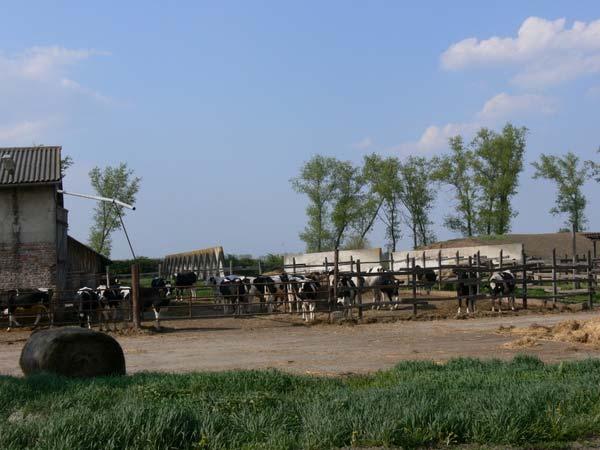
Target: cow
x: 502, y: 284
x: 154, y: 298
x: 427, y: 277
x: 88, y: 305
x: 183, y: 281
x: 466, y: 288
x: 39, y: 299
x: 346, y: 294
x: 308, y: 294
x: 234, y: 292
x: 380, y: 283
x: 109, y: 301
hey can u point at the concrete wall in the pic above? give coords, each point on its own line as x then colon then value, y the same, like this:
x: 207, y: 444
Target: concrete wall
x: 510, y: 252
x: 28, y: 234
x: 368, y: 258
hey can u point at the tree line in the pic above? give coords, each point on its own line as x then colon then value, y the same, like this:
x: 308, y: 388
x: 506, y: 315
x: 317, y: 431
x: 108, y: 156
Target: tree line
x: 346, y: 200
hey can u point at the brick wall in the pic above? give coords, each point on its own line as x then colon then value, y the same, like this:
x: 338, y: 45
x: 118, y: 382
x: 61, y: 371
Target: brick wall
x: 28, y: 266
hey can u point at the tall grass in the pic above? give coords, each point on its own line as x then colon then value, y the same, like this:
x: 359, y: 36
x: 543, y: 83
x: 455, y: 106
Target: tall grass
x: 414, y: 404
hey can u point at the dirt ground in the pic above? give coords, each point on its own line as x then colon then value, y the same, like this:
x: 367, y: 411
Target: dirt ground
x: 324, y: 349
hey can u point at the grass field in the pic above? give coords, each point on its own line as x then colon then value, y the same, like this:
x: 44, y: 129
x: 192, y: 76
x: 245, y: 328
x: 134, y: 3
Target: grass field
x: 521, y: 402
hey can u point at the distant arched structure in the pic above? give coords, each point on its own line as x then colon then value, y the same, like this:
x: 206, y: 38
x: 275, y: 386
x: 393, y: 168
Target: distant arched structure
x: 205, y: 263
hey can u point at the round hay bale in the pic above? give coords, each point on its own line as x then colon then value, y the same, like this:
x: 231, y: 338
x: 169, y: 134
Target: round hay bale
x: 72, y: 352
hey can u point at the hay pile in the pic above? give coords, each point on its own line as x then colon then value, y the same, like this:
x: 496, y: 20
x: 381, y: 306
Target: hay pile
x: 573, y: 331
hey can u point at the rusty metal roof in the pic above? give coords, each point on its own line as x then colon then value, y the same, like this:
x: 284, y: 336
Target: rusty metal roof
x: 31, y: 165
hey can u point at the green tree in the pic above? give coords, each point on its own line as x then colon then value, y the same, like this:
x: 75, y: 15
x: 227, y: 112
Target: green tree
x: 347, y: 203
x: 316, y: 182
x: 417, y: 195
x: 569, y: 176
x: 456, y: 170
x: 498, y: 164
x: 65, y: 163
x: 594, y: 168
x: 382, y: 176
x: 113, y: 182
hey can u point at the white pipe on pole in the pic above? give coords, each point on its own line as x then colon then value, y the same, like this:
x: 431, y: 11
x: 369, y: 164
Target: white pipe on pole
x: 95, y: 197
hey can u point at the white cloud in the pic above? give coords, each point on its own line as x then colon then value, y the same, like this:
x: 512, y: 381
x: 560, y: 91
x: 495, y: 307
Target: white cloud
x: 494, y: 111
x: 46, y: 64
x: 504, y: 105
x: 363, y: 144
x: 23, y: 133
x: 547, y: 52
x: 593, y: 92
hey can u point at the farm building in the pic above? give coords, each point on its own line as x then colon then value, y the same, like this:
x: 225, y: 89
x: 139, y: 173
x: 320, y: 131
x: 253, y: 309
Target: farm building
x: 538, y: 246
x: 35, y: 250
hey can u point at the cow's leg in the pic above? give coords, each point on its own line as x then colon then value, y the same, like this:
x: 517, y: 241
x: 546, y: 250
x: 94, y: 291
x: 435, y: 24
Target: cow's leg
x: 37, y: 319
x: 459, y: 305
x: 11, y: 320
x: 156, y: 317
x: 312, y: 308
x: 512, y: 301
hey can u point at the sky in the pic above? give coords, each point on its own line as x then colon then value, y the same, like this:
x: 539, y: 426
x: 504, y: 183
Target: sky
x: 216, y: 105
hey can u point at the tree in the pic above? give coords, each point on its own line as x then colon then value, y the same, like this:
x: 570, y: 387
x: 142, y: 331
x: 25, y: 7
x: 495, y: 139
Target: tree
x: 65, y: 163
x: 594, y: 168
x: 382, y: 175
x: 417, y: 196
x: 569, y: 176
x: 347, y: 200
x: 498, y: 163
x: 456, y: 170
x: 113, y: 182
x: 316, y: 181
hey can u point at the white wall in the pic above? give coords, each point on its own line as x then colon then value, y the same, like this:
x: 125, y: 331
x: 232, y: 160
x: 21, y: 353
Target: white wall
x: 368, y: 258
x: 510, y: 252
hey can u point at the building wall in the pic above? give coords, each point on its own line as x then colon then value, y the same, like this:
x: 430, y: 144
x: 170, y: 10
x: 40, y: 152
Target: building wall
x: 309, y: 262
x: 28, y: 233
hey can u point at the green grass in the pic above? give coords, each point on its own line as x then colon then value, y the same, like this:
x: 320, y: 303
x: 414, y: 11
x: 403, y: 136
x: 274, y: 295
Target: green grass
x: 522, y: 402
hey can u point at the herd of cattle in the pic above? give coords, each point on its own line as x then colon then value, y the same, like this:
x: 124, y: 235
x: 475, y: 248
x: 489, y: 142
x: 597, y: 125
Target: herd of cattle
x: 293, y: 293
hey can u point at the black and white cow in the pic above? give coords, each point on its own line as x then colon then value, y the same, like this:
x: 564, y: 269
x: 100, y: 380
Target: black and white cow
x: 308, y: 293
x: 110, y: 300
x: 234, y: 294
x: 38, y: 299
x: 381, y: 283
x: 502, y: 284
x: 427, y: 277
x: 87, y: 306
x: 155, y: 298
x: 346, y: 293
x: 466, y: 289
x: 183, y: 281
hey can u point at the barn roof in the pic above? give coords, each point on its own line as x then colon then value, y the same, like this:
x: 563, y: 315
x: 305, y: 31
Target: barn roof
x: 31, y: 165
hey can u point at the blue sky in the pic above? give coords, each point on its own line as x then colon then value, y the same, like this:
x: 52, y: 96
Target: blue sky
x: 217, y: 104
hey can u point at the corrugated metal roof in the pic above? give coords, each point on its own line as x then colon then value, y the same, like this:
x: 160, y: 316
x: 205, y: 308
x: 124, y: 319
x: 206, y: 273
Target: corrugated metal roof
x: 32, y: 165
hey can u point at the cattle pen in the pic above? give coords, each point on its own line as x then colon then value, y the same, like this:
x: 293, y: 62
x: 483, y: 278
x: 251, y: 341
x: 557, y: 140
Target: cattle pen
x: 544, y: 285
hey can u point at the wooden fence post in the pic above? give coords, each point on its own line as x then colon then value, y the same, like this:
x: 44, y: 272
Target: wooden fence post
x: 260, y: 266
x: 135, y: 295
x: 107, y: 276
x: 326, y: 265
x: 424, y: 259
x: 359, y: 291
x: 439, y: 270
x: 590, y: 281
x: 230, y: 266
x: 414, y: 285
x: 554, y: 279
x: 457, y: 258
x: 501, y: 259
x: 351, y: 264
x: 336, y: 270
x: 478, y: 272
x: 294, y: 265
x: 524, y: 287
x: 471, y: 299
x: 391, y: 263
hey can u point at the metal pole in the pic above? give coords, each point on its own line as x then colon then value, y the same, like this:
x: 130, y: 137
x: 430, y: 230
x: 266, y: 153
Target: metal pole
x: 107, y: 276
x: 359, y: 291
x: 590, y: 284
x: 135, y: 303
x: 554, y: 286
x: 524, y: 287
x: 126, y: 234
x: 414, y: 285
